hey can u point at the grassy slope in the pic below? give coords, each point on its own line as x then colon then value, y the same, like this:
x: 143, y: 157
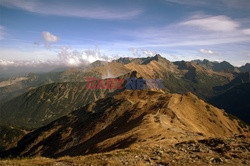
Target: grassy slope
x: 47, y: 103
x: 202, y: 87
x: 9, y: 136
x: 235, y: 101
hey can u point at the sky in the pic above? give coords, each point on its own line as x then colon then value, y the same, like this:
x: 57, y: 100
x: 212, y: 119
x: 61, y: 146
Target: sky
x: 74, y: 32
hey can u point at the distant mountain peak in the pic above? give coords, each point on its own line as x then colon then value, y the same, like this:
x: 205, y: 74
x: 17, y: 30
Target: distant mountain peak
x: 216, y: 66
x: 98, y: 63
x: 157, y: 58
x: 124, y: 60
x: 245, y: 67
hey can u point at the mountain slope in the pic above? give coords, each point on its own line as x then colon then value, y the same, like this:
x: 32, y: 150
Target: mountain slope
x: 44, y: 104
x: 245, y: 68
x: 136, y: 119
x: 152, y: 67
x: 235, y: 101
x: 181, y: 77
x: 209, y: 151
x: 241, y: 78
x: 193, y: 76
x: 217, y: 66
x: 13, y: 87
x: 10, y: 136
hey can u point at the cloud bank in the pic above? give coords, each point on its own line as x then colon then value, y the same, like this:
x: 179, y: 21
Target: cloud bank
x: 65, y: 57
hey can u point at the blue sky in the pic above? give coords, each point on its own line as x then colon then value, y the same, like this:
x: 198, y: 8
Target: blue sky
x: 72, y: 32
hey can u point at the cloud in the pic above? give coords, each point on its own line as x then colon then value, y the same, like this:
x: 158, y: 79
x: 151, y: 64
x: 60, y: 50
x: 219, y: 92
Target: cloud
x: 141, y: 52
x: 1, y: 32
x: 135, y: 52
x: 246, y: 31
x: 49, y: 37
x: 148, y: 52
x: 70, y: 57
x: 187, y: 2
x: 198, y: 30
x: 58, y: 8
x: 18, y: 63
x: 6, y: 62
x: 95, y: 54
x: 213, y: 23
x: 208, y: 52
x: 241, y: 4
x: 13, y: 68
x: 170, y: 38
x: 62, y: 57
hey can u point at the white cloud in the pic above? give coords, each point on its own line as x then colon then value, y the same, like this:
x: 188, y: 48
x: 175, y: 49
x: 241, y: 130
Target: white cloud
x: 179, y: 34
x: 57, y: 8
x: 204, y: 51
x: 6, y: 62
x: 92, y: 55
x: 18, y: 63
x: 62, y: 57
x: 1, y: 32
x: 10, y: 68
x: 70, y: 58
x: 76, y: 58
x: 241, y: 4
x: 246, y: 31
x: 148, y: 52
x: 208, y: 52
x: 135, y: 52
x: 28, y: 5
x: 141, y: 52
x: 49, y: 37
x: 213, y: 23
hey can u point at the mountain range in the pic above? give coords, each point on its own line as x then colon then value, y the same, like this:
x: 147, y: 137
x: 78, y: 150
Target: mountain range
x: 54, y: 114
x: 53, y: 94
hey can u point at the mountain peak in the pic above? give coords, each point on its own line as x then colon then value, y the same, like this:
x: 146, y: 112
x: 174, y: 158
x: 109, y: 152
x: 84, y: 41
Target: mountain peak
x: 124, y: 60
x: 245, y: 67
x: 157, y: 58
x: 98, y: 63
